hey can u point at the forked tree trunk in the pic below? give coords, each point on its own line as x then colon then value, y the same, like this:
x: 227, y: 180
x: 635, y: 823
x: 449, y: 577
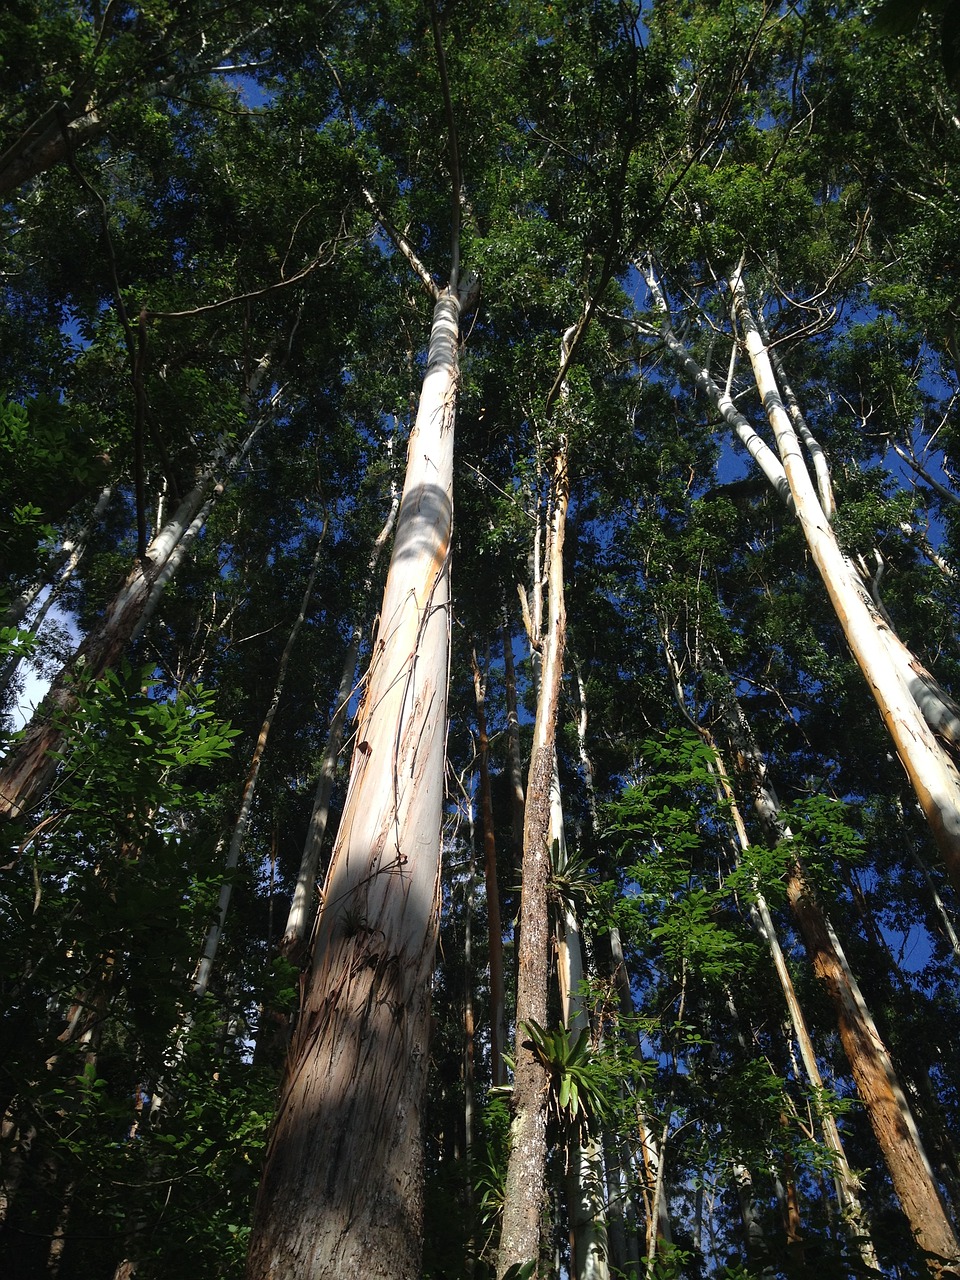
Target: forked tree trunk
x: 873, y: 1071
x: 341, y: 1193
x: 912, y: 705
x: 899, y: 695
x: 523, y: 1197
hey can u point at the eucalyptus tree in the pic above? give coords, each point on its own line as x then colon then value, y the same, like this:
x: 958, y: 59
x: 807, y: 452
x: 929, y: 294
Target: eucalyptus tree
x: 342, y: 1185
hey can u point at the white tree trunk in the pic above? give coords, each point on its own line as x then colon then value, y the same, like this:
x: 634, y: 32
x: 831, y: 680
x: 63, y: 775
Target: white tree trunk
x: 342, y: 1189
x: 28, y: 770
x: 931, y: 772
x: 586, y: 1189
x: 303, y: 906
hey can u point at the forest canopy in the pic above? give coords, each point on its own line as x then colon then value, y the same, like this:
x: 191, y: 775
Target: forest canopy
x: 479, y: 660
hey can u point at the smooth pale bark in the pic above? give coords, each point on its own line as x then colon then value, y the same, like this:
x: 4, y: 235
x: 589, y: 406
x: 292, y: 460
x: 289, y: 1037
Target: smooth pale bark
x: 586, y: 1189
x: 242, y: 825
x: 62, y: 566
x: 341, y: 1193
x: 818, y: 459
x: 912, y: 705
x: 28, y: 769
x: 931, y: 772
x: 303, y: 909
x: 498, y: 1018
x: 759, y: 450
x: 872, y: 1068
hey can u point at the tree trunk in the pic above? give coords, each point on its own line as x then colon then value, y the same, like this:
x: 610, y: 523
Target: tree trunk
x: 515, y: 771
x: 520, y: 1237
x: 342, y: 1188
x: 846, y: 1183
x: 61, y: 566
x: 205, y: 968
x: 302, y: 913
x: 932, y: 774
x: 911, y: 704
x: 873, y: 1071
x: 586, y: 1191
x: 28, y: 770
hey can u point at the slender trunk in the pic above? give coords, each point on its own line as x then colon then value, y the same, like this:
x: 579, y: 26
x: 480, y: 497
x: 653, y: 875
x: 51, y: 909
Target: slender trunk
x: 302, y: 913
x: 796, y: 1251
x: 28, y: 770
x: 469, y: 1047
x: 846, y: 1183
x: 342, y: 1188
x: 586, y: 1191
x: 911, y: 704
x: 932, y: 774
x: 648, y: 1152
x: 755, y: 1240
x: 878, y: 1085
x: 653, y: 1151
x: 208, y: 958
x: 520, y: 1237
x: 62, y: 566
x: 873, y: 1071
x: 498, y: 1020
x: 939, y: 907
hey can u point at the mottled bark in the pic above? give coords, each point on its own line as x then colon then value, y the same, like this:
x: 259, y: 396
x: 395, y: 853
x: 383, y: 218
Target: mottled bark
x: 342, y: 1188
x: 520, y: 1237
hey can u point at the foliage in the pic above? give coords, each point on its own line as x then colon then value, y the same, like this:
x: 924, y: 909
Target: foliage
x: 200, y: 227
